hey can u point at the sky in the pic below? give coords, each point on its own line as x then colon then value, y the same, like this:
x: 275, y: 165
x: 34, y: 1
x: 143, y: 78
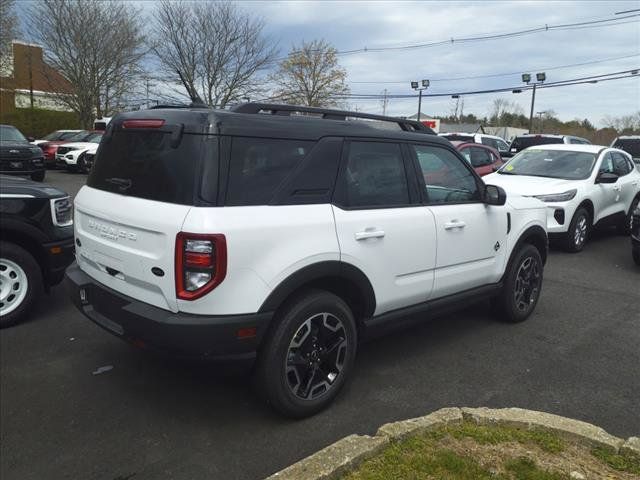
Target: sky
x: 351, y: 25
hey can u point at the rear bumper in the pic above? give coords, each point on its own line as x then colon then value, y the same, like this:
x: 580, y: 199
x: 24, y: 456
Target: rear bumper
x: 180, y: 334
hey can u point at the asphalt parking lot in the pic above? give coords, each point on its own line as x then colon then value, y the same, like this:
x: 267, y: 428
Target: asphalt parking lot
x: 153, y: 417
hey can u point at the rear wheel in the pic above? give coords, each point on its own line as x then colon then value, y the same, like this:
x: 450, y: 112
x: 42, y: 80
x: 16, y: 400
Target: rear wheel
x: 20, y: 283
x: 578, y: 232
x: 38, y: 176
x: 624, y: 228
x: 522, y: 285
x: 309, y: 355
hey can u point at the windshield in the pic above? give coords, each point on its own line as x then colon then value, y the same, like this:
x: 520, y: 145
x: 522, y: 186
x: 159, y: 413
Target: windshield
x: 77, y: 136
x: 520, y: 143
x: 94, y: 137
x: 11, y: 134
x: 53, y: 136
x: 452, y: 137
x: 629, y: 145
x: 562, y: 164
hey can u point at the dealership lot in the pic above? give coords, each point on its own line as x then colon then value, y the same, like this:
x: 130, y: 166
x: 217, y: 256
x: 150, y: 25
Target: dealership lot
x: 154, y: 417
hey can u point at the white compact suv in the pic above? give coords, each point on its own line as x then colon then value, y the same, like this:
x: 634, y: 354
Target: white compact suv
x: 582, y: 186
x: 69, y: 155
x: 285, y: 235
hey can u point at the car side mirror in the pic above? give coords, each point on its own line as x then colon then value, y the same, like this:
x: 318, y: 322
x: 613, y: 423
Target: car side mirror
x: 31, y: 139
x: 606, y: 178
x: 494, y: 195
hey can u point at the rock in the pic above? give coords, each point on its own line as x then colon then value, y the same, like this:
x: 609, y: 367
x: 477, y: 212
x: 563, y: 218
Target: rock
x: 439, y: 418
x: 577, y: 475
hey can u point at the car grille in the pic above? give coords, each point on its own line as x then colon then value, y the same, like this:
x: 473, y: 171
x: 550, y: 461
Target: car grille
x: 8, y: 154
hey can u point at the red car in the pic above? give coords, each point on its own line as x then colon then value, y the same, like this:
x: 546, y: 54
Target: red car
x: 483, y: 159
x: 50, y: 147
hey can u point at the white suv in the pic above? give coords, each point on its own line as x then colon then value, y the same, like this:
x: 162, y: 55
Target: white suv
x: 499, y: 143
x: 583, y: 186
x: 256, y: 234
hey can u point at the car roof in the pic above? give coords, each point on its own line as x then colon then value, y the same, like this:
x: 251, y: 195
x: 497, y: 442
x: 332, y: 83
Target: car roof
x: 570, y: 147
x: 628, y: 137
x: 301, y: 127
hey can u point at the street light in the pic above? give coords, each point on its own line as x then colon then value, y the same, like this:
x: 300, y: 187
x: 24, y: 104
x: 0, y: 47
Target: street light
x: 526, y: 78
x: 416, y: 86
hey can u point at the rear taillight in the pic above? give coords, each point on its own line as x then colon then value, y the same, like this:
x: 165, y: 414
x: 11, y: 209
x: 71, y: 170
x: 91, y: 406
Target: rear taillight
x: 201, y: 264
x: 143, y: 123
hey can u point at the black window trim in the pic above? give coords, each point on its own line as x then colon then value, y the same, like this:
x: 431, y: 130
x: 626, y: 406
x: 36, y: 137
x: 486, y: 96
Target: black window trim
x: 339, y: 195
x: 423, y: 185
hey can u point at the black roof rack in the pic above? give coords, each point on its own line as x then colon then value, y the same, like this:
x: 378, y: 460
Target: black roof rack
x: 287, y: 110
x: 180, y: 105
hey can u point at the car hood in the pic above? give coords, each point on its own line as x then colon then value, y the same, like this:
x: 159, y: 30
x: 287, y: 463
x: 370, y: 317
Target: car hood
x: 10, y: 185
x: 529, y: 186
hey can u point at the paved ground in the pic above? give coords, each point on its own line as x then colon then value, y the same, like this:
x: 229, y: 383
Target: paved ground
x: 152, y: 418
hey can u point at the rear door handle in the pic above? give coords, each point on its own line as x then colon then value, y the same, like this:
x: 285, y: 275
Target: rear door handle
x: 454, y: 224
x: 369, y: 234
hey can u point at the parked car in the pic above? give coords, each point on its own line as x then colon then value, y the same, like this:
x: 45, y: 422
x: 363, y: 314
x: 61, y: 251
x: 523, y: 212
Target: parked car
x: 50, y: 148
x: 635, y: 235
x: 36, y: 244
x: 69, y: 154
x: 287, y: 238
x: 483, y: 159
x: 520, y: 142
x: 493, y: 141
x: 583, y: 186
x: 18, y: 156
x: 630, y: 144
x: 57, y: 136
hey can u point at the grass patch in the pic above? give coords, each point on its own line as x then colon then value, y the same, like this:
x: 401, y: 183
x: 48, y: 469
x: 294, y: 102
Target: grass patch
x: 493, y: 435
x: 623, y: 462
x: 525, y: 469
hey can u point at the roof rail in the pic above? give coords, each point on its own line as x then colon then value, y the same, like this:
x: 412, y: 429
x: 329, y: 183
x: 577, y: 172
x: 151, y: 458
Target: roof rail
x: 287, y: 110
x: 181, y: 105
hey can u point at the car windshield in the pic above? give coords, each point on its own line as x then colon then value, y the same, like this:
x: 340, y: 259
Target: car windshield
x: 77, y: 136
x: 95, y: 137
x: 460, y: 137
x: 53, y: 136
x: 629, y: 145
x: 520, y: 143
x: 11, y: 134
x: 563, y: 164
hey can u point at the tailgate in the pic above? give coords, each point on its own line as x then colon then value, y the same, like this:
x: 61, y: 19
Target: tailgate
x: 123, y: 254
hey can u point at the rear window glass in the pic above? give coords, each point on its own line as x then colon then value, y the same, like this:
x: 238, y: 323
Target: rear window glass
x: 629, y: 145
x: 520, y: 143
x: 259, y: 166
x: 143, y: 163
x: 452, y: 137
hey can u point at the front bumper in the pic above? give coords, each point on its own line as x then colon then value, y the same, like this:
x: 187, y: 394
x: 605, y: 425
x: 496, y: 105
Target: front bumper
x: 21, y: 167
x: 181, y: 334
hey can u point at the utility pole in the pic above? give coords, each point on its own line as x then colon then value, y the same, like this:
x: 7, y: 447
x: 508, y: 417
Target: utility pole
x: 540, y: 120
x: 385, y: 102
x: 533, y: 100
x: 526, y: 78
x: 416, y: 86
x: 147, y: 100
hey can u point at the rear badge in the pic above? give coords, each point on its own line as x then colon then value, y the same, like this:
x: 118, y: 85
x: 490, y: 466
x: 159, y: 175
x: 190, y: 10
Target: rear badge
x: 83, y: 296
x: 158, y: 271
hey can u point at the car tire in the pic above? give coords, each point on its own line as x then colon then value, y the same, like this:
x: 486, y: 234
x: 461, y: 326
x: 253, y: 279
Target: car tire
x: 578, y: 233
x: 38, y: 176
x: 522, y: 286
x: 20, y: 283
x: 624, y: 228
x: 308, y: 355
x: 82, y: 165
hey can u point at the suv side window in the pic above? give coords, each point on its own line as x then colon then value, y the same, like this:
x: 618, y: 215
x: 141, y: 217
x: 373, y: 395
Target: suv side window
x: 259, y: 165
x: 375, y: 175
x: 492, y: 142
x: 446, y: 178
x: 621, y: 166
x: 480, y: 157
x: 607, y: 164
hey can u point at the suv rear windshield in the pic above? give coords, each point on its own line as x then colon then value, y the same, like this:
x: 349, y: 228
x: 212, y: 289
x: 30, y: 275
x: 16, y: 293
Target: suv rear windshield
x: 143, y: 163
x: 456, y: 137
x: 520, y: 143
x: 629, y: 145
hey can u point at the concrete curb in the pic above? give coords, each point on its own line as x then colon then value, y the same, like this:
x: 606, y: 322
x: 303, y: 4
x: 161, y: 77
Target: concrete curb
x: 348, y: 453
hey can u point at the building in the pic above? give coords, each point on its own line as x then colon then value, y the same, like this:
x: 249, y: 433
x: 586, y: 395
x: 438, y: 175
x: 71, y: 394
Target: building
x: 432, y: 123
x: 28, y: 81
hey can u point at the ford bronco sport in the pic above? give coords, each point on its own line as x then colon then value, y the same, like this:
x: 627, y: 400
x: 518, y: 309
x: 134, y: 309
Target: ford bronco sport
x: 286, y: 235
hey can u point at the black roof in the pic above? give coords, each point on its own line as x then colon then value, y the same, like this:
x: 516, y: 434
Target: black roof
x: 301, y: 127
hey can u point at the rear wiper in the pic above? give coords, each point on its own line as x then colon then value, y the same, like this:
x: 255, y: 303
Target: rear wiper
x: 122, y: 183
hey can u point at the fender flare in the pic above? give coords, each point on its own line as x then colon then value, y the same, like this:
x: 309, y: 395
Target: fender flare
x: 540, y: 237
x: 319, y: 271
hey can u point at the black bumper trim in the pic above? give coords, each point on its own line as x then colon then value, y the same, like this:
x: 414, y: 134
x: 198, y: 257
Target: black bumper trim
x: 179, y: 334
x: 58, y: 262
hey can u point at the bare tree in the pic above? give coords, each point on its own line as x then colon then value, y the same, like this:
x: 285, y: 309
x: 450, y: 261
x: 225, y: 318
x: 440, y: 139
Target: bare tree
x: 96, y: 46
x: 502, y: 110
x: 8, y: 31
x: 311, y: 76
x: 211, y: 49
x: 624, y: 123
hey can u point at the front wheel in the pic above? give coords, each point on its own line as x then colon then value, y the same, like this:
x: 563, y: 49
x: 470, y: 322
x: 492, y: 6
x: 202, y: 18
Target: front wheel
x: 309, y: 355
x: 578, y: 231
x: 20, y: 283
x: 38, y: 176
x: 522, y: 285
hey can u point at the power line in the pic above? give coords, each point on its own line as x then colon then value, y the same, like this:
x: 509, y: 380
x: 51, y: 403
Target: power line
x: 606, y: 22
x: 505, y: 74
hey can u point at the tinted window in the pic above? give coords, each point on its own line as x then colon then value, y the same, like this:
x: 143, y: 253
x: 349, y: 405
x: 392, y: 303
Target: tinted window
x: 620, y: 164
x: 446, y: 178
x: 563, y: 164
x: 520, y: 143
x: 480, y: 157
x: 452, y: 137
x: 492, y: 142
x: 629, y: 145
x: 375, y: 175
x: 607, y: 164
x: 258, y: 166
x: 143, y: 163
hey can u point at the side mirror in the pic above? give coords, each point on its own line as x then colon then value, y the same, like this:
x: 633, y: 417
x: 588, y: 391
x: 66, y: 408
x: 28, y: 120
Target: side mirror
x: 606, y: 178
x: 30, y: 139
x: 494, y: 195
x: 507, y: 154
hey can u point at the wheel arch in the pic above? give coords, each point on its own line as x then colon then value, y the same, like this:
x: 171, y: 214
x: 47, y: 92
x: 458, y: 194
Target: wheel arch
x: 342, y: 279
x: 587, y: 204
x: 534, y: 235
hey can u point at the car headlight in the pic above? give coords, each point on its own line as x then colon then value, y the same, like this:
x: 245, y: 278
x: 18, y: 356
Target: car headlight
x: 62, y: 211
x: 558, y: 197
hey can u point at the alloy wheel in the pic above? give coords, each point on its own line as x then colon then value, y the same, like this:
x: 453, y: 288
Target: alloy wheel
x: 527, y: 285
x: 316, y: 356
x: 580, y: 232
x: 13, y: 286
